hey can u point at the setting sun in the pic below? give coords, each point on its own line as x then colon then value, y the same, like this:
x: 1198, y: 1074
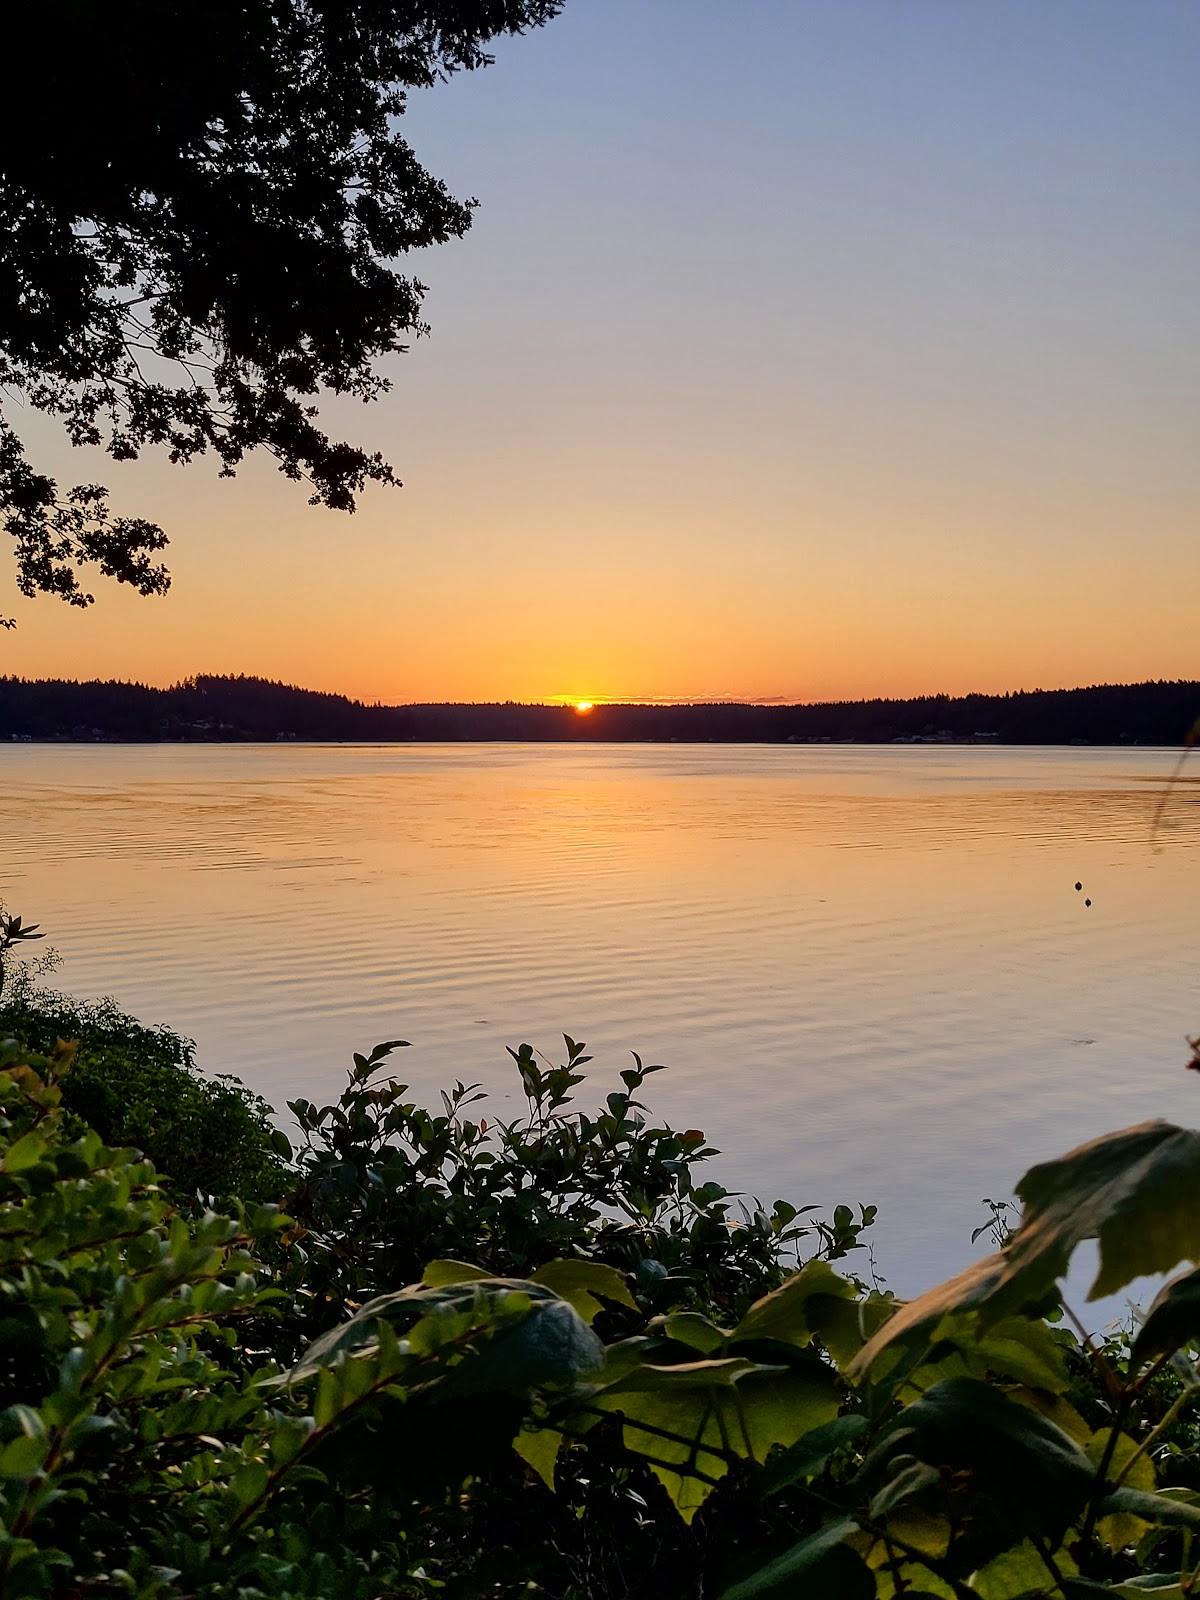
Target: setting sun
x: 582, y: 707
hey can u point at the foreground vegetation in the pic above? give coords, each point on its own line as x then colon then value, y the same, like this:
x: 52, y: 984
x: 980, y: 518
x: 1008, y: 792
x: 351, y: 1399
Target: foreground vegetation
x: 424, y: 1352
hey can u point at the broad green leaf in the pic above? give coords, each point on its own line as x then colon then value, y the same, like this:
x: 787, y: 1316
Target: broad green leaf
x: 439, y: 1274
x: 1034, y: 1477
x: 968, y: 1291
x: 908, y: 1484
x: 897, y: 1572
x: 23, y: 1456
x: 821, y: 1567
x: 1120, y: 1529
x: 1172, y: 1321
x: 28, y: 1420
x: 844, y: 1325
x: 539, y: 1448
x: 1020, y: 1572
x: 249, y: 1483
x: 1137, y: 1192
x: 1056, y: 1410
x: 1161, y: 1509
x: 1020, y: 1348
x: 781, y: 1315
x: 675, y: 1418
x: 1026, y: 1351
x: 479, y: 1300
x: 691, y: 1329
x: 550, y: 1345
x: 528, y: 1336
x: 809, y: 1454
x: 327, y: 1401
x: 703, y: 1376
x: 923, y: 1530
x: 915, y: 1581
x: 777, y: 1409
x: 912, y: 1580
x: 628, y: 1356
x: 579, y: 1283
x: 1160, y: 1585
x: 688, y: 1421
x: 24, y: 1152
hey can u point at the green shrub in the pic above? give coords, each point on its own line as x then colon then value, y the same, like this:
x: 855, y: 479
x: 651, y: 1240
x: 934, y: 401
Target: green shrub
x: 140, y: 1086
x: 152, y: 1447
x: 967, y: 1444
x: 548, y: 1357
x: 384, y: 1185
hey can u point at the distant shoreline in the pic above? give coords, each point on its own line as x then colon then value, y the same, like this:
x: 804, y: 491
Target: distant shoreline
x: 242, y: 710
x: 657, y: 744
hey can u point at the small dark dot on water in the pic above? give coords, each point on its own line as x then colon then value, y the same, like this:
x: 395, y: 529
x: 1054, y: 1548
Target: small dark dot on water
x: 1087, y: 902
x: 1078, y: 886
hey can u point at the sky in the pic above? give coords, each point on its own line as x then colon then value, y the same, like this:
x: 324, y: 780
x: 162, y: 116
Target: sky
x: 798, y: 350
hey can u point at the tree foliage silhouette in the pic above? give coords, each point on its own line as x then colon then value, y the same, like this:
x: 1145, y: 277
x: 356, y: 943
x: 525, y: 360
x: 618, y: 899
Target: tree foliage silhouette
x: 201, y: 210
x: 246, y: 708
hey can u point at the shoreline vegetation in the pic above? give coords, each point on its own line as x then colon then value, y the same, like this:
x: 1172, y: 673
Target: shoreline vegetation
x: 229, y: 709
x: 412, y: 1351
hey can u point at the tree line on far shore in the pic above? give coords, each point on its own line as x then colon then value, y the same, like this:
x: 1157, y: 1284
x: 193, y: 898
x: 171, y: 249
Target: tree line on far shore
x: 215, y: 709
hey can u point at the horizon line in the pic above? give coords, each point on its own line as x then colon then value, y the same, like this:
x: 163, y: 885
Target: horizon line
x: 594, y: 702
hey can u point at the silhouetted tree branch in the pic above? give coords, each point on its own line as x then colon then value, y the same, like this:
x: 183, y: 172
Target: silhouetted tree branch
x: 201, y: 210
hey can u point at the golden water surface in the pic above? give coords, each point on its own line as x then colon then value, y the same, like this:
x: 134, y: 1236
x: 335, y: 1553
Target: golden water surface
x: 868, y: 968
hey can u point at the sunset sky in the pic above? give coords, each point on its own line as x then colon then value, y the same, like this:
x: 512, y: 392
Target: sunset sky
x: 798, y: 350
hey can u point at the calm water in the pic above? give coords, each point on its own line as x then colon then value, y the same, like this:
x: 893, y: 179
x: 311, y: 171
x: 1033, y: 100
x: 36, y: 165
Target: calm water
x: 868, y: 968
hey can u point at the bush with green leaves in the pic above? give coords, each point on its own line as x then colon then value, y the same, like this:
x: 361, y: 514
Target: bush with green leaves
x: 140, y: 1086
x: 152, y: 1446
x: 385, y: 1184
x: 381, y: 1185
x: 546, y: 1357
x: 953, y: 1461
x: 968, y: 1444
x: 972, y: 1442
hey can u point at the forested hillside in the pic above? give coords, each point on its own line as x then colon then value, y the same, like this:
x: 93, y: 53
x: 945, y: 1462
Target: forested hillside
x: 243, y: 708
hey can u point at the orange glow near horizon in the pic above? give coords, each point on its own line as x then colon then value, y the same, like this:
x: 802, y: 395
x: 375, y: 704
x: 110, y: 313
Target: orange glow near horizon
x: 888, y: 629
x: 582, y: 707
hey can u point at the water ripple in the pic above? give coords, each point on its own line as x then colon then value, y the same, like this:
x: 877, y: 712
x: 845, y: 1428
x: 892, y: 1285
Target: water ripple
x: 868, y: 968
